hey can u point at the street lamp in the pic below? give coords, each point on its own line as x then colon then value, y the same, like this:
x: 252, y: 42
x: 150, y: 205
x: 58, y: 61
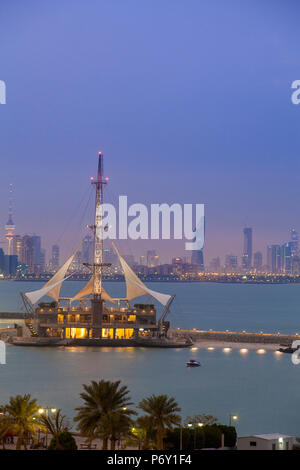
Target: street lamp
x: 46, y: 411
x: 232, y: 417
x: 195, y: 425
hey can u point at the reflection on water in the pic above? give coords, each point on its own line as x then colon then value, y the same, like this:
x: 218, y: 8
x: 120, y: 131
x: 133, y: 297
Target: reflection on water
x: 261, y: 386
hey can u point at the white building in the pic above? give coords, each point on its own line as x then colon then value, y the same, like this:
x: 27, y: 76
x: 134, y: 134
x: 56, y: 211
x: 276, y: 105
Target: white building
x: 265, y: 442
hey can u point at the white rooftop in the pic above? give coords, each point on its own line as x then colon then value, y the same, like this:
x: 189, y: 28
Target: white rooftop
x: 269, y: 437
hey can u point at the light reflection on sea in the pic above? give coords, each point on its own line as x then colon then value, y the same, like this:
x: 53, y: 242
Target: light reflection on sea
x: 263, y: 389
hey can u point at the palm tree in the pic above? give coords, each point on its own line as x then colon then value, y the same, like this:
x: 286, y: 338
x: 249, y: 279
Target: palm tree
x: 54, y: 425
x: 23, y: 412
x: 117, y: 425
x: 105, y: 408
x: 142, y: 434
x: 163, y: 413
x: 6, y: 426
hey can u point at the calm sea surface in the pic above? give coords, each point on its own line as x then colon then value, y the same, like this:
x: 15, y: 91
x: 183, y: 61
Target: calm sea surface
x: 264, y: 390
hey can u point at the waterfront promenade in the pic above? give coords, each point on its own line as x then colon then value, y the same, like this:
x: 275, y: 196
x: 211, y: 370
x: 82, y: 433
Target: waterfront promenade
x: 235, y: 337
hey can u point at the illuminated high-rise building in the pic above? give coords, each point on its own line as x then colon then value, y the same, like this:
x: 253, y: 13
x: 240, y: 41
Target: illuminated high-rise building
x: 198, y: 259
x: 272, y: 257
x: 17, y: 244
x: 257, y: 260
x: 294, y: 243
x: 55, y: 257
x: 279, y: 258
x: 231, y: 262
x: 31, y: 253
x: 152, y: 259
x: 87, y: 249
x: 247, y: 252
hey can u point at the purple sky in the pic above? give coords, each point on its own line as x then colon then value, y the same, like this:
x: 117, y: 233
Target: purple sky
x: 189, y: 102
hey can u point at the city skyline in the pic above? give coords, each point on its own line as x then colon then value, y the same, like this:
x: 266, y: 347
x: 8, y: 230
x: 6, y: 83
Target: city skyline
x: 28, y: 256
x: 243, y: 259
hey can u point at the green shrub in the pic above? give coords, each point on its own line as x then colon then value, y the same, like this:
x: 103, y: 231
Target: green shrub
x: 63, y: 441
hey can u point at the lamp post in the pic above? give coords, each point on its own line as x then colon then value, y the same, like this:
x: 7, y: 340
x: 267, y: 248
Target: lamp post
x: 232, y: 417
x: 195, y: 425
x: 46, y: 410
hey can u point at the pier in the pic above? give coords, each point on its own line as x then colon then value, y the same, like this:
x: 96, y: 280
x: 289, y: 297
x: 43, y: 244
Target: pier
x: 235, y: 337
x: 12, y: 316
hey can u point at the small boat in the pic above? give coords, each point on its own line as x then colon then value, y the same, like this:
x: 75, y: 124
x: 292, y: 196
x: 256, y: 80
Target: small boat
x: 287, y: 349
x: 193, y: 363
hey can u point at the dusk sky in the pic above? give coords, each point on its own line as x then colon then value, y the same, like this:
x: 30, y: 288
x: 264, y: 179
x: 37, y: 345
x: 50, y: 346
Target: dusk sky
x: 190, y: 102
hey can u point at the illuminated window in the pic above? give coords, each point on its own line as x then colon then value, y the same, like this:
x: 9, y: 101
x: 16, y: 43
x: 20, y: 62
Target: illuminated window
x: 107, y: 333
x: 128, y: 333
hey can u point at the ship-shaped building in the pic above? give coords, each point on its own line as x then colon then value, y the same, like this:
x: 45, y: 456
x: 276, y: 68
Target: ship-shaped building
x: 92, y: 316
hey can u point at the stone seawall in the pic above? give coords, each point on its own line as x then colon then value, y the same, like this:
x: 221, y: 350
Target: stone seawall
x: 235, y: 337
x: 6, y: 334
x: 12, y: 316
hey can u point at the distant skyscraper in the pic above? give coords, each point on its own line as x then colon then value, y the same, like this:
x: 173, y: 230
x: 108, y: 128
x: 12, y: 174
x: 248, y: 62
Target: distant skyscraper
x: 294, y: 243
x: 215, y: 264
x: 231, y: 262
x: 271, y: 258
x: 257, y: 260
x: 87, y: 249
x: 42, y: 263
x: 76, y: 264
x: 278, y: 257
x: 198, y: 259
x: 17, y: 244
x: 37, y: 253
x: 27, y: 251
x: 295, y: 265
x: 55, y: 257
x: 31, y: 253
x: 2, y: 262
x: 143, y: 260
x: 287, y: 257
x: 152, y: 259
x: 10, y: 265
x: 247, y: 253
x: 10, y: 226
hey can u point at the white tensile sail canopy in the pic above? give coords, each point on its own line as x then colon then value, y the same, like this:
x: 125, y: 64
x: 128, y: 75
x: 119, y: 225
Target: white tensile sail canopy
x: 89, y: 289
x: 36, y: 295
x: 53, y: 286
x: 135, y: 287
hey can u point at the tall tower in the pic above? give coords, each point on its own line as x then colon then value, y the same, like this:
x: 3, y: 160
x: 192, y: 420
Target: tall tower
x: 10, y: 226
x: 97, y: 302
x: 247, y: 253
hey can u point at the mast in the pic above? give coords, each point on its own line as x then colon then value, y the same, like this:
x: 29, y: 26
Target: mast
x: 98, y: 230
x: 97, y: 302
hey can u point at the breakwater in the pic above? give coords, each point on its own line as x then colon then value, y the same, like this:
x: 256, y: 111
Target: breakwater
x: 12, y: 316
x: 235, y: 337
